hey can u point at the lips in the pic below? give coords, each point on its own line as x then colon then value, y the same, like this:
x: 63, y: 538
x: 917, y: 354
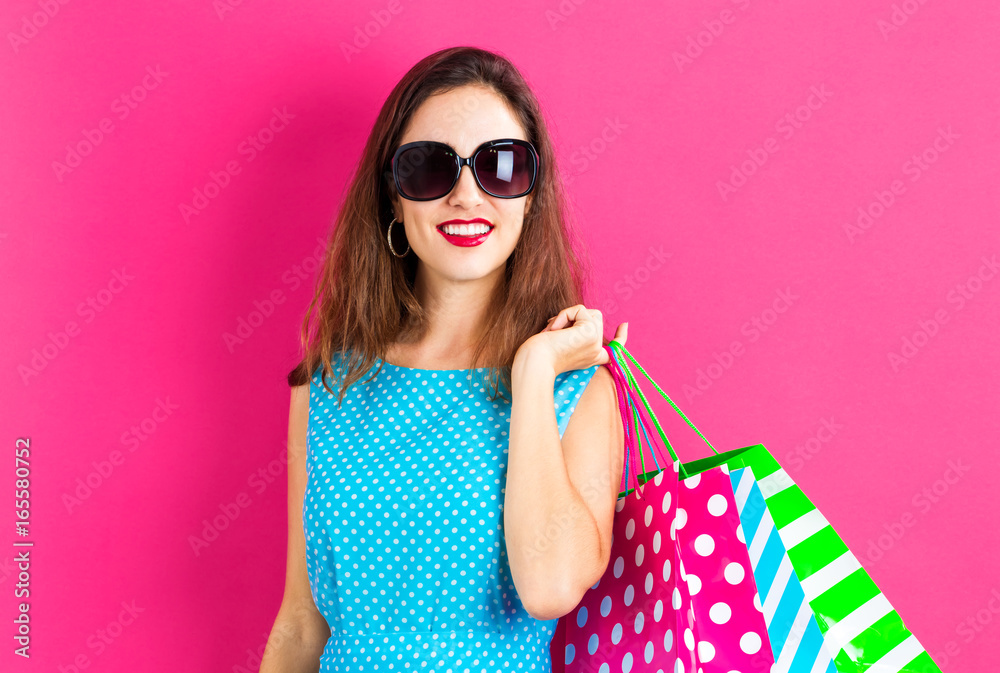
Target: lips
x: 466, y: 240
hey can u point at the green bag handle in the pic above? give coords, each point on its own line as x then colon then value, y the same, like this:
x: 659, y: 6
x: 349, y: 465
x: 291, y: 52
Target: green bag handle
x: 633, y: 389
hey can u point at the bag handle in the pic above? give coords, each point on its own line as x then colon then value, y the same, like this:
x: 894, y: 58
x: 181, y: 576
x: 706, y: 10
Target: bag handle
x: 627, y: 388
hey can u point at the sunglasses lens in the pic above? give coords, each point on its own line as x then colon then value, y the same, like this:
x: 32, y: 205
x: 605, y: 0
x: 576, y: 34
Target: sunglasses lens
x: 426, y: 171
x: 505, y: 170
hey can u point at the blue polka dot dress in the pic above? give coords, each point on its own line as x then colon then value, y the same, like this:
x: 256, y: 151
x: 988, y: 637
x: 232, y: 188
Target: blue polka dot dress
x: 403, y: 515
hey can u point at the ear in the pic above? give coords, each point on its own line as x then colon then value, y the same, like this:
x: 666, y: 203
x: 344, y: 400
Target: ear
x: 396, y: 203
x: 394, y: 199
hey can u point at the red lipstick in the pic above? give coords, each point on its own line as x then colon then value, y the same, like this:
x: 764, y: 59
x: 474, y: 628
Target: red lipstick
x: 466, y: 240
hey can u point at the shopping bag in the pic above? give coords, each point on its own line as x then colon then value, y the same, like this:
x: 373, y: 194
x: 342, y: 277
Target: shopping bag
x: 724, y: 530
x: 858, y: 624
x: 678, y: 594
x: 674, y: 590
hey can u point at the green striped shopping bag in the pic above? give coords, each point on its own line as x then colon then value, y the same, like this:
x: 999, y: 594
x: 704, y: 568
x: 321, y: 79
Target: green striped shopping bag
x: 823, y: 611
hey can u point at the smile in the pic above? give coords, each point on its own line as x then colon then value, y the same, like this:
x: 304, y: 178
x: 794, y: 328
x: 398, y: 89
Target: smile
x: 465, y: 235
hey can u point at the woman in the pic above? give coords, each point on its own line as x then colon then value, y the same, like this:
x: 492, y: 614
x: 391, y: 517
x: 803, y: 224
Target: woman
x: 437, y: 521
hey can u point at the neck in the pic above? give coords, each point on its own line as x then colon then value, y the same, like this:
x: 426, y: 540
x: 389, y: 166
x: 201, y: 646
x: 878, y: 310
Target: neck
x: 456, y: 312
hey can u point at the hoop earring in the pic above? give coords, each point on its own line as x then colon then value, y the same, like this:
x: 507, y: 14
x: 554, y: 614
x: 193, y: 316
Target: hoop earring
x: 388, y: 237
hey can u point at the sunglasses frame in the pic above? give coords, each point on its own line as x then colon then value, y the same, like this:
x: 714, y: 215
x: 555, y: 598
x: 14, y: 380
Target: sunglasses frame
x: 465, y: 161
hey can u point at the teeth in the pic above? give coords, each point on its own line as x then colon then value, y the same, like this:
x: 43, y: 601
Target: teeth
x: 465, y: 229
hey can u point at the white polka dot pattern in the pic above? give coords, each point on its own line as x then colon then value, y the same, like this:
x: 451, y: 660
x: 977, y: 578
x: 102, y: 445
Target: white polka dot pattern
x: 728, y: 628
x: 698, y: 615
x: 403, y: 515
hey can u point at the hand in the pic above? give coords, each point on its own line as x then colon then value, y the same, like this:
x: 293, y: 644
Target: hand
x: 573, y: 339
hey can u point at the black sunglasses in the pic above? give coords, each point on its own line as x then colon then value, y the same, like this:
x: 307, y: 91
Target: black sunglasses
x: 426, y: 170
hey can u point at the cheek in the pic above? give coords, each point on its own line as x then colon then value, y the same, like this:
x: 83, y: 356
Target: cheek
x: 421, y: 223
x: 512, y: 234
x: 514, y: 223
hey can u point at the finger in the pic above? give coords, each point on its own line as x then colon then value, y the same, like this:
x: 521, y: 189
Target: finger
x: 568, y: 315
x: 590, y: 325
x: 621, y: 334
x: 561, y: 319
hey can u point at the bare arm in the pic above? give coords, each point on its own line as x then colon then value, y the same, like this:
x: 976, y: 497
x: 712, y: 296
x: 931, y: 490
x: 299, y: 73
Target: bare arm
x: 300, y: 631
x: 560, y: 496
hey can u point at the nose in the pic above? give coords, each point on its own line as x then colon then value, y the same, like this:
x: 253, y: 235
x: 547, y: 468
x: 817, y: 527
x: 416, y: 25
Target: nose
x: 466, y: 192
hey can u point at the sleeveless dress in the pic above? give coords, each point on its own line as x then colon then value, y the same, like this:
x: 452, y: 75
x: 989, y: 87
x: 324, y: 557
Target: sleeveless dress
x: 403, y: 515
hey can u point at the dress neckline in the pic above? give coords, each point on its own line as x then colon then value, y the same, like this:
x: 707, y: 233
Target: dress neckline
x: 417, y: 369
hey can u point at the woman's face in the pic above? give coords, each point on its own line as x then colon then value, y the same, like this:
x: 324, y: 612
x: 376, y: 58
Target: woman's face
x: 463, y: 118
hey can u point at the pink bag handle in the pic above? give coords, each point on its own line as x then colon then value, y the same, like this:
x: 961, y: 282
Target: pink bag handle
x: 627, y: 388
x: 632, y: 420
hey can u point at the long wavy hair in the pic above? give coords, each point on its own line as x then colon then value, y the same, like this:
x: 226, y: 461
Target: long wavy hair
x: 364, y: 299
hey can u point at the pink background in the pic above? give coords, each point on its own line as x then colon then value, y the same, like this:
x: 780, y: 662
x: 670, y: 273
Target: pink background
x: 146, y: 378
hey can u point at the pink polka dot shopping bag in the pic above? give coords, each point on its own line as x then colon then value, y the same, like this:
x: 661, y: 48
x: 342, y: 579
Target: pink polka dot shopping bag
x: 723, y: 565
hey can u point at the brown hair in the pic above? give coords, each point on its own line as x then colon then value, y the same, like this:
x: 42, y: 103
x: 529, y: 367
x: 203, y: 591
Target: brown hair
x: 364, y: 298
